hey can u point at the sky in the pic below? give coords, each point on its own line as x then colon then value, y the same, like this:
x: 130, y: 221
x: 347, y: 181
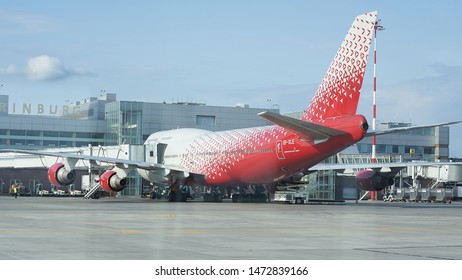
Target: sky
x: 263, y: 53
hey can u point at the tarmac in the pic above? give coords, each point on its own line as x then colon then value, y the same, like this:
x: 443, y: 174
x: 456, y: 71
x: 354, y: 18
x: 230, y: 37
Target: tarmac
x: 50, y: 228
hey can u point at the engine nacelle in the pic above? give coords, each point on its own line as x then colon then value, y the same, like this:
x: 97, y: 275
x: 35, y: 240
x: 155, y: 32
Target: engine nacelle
x: 60, y: 176
x: 110, y: 182
x: 370, y: 180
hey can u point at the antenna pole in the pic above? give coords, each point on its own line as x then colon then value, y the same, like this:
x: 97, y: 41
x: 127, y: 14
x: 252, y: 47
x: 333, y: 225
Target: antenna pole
x: 377, y: 27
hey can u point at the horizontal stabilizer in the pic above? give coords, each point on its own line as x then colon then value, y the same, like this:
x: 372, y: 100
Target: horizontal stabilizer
x: 308, y: 130
x: 407, y: 128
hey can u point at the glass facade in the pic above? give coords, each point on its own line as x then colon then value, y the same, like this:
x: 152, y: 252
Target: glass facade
x: 40, y: 139
x: 124, y: 121
x: 205, y: 120
x: 322, y: 185
x: 427, y: 153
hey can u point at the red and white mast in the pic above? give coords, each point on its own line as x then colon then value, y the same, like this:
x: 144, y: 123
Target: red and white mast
x: 377, y: 27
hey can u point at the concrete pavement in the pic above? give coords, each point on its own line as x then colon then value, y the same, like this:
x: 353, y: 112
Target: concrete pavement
x: 47, y: 228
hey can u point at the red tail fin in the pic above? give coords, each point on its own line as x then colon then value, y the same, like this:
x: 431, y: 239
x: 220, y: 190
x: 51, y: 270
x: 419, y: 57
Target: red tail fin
x: 338, y: 93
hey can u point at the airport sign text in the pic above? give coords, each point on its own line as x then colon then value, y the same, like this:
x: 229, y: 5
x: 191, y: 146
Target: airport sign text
x: 39, y: 109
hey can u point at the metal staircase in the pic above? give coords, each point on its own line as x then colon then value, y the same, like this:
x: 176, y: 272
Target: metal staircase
x: 92, y: 191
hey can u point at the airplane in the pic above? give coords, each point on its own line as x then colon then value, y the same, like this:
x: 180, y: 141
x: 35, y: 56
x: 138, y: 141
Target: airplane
x: 258, y: 155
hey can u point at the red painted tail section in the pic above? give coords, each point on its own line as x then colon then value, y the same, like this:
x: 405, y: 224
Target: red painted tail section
x: 339, y: 91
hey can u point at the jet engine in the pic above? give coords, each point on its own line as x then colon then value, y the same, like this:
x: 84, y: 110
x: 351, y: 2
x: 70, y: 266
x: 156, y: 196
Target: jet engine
x: 60, y: 176
x: 111, y: 182
x: 370, y: 180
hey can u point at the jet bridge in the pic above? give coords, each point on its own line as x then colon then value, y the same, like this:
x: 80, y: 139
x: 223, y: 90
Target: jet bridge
x: 436, y: 183
x: 438, y: 174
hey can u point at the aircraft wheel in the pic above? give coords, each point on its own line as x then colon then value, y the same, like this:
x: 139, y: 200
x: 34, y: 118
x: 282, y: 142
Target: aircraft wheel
x: 172, y: 197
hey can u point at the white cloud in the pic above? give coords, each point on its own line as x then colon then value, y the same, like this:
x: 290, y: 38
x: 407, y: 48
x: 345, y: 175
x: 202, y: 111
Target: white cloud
x: 9, y: 70
x: 47, y: 68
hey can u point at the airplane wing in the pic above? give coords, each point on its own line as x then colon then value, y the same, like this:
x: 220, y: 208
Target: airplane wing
x: 378, y: 167
x: 407, y: 128
x: 171, y: 171
x: 117, y: 161
x: 315, y: 132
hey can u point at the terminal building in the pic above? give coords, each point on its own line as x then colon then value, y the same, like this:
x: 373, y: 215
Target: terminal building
x: 106, y: 121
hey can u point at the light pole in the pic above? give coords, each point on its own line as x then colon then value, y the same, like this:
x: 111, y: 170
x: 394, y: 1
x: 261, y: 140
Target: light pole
x: 377, y: 27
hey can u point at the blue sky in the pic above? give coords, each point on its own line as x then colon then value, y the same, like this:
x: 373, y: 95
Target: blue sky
x: 259, y: 53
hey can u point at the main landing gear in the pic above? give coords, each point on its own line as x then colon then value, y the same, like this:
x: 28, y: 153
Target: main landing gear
x: 180, y: 193
x: 252, y: 193
x: 213, y: 194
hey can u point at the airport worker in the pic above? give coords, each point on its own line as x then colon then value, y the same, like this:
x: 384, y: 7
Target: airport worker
x: 12, y: 189
x: 15, y: 191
